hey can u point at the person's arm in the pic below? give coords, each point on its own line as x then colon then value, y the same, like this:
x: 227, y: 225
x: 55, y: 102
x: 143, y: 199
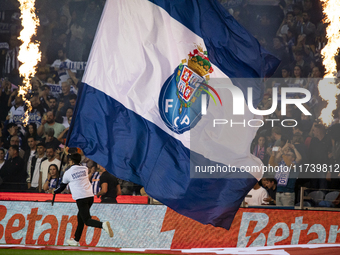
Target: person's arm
x: 103, y: 190
x: 59, y: 189
x: 73, y: 77
x: 278, y: 156
x: 119, y: 190
x: 41, y: 129
x: 297, y: 154
x: 61, y: 139
x: 46, y: 184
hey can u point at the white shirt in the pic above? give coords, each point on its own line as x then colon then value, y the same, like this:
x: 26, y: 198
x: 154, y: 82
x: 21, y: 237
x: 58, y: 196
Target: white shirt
x: 62, y: 73
x: 44, y: 168
x: 77, y: 179
x: 29, y: 165
x: 257, y: 196
x: 36, y: 171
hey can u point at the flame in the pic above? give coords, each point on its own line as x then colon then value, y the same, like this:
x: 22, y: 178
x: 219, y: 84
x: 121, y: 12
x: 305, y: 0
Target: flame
x: 328, y: 89
x: 29, y: 53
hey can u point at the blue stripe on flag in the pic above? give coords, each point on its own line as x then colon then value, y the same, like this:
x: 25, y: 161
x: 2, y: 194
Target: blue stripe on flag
x: 134, y: 149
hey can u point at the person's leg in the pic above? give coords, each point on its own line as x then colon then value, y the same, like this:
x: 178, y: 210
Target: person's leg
x: 278, y: 199
x: 288, y: 198
x: 79, y: 229
x: 85, y: 214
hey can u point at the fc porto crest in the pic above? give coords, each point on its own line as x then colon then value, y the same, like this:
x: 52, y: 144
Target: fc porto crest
x: 180, y: 97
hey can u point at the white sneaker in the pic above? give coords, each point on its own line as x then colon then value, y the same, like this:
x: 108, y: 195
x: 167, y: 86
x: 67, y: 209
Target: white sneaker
x: 72, y: 242
x: 107, y: 228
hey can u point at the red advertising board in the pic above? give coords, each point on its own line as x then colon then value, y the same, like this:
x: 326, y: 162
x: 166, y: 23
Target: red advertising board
x: 256, y: 227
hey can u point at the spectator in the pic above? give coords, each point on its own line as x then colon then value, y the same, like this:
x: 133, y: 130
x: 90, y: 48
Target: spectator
x: 94, y: 176
x: 33, y: 180
x: 271, y: 186
x: 43, y: 69
x: 17, y: 110
x: 12, y: 63
x: 62, y: 72
x: 44, y: 92
x: 276, y: 135
x: 52, y: 179
x: 76, y: 45
x: 51, y: 159
x: 64, y: 99
x: 110, y: 187
x: 304, y: 26
x: 258, y: 195
x: 5, y: 92
x: 37, y: 110
x: 15, y: 141
x: 319, y: 152
x: 73, y: 100
x: 13, y: 173
x: 49, y: 122
x: 50, y: 140
x: 298, y: 81
x: 61, y: 27
x: 286, y: 157
x: 260, y: 149
x: 53, y: 106
x: 62, y: 137
x: 29, y: 155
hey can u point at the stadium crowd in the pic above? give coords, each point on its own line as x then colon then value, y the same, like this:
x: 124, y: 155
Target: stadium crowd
x: 293, y: 31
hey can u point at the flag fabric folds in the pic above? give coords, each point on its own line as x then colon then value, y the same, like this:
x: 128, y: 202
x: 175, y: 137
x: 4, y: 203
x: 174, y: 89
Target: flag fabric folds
x: 138, y: 50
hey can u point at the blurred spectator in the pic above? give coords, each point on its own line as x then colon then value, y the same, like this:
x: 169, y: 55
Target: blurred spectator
x: 319, y: 153
x: 286, y: 157
x: 258, y: 195
x: 37, y: 111
x: 76, y: 45
x: 63, y: 135
x: 15, y: 141
x: 44, y: 93
x: 271, y: 186
x: 12, y: 63
x: 13, y: 173
x: 110, y: 187
x: 5, y: 92
x: 17, y: 111
x: 29, y: 155
x: 260, y: 149
x: 298, y: 81
x: 61, y: 69
x: 52, y: 101
x: 94, y: 176
x: 61, y: 27
x: 43, y: 69
x: 44, y: 166
x: 50, y: 140
x: 48, y: 123
x: 276, y: 135
x: 33, y: 175
x: 304, y: 26
x: 52, y: 179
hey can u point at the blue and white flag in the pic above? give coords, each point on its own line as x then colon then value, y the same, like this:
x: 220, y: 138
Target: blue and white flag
x: 142, y: 95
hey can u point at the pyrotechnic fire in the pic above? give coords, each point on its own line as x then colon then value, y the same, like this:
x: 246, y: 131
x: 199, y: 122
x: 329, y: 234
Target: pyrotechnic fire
x: 29, y: 53
x: 327, y: 88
